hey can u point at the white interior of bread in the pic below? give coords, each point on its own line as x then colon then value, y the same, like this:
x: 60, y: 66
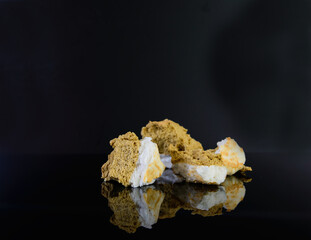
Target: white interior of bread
x: 147, y: 152
x: 199, y: 173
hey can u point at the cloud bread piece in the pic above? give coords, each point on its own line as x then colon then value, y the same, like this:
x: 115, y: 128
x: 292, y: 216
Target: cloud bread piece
x: 232, y: 155
x: 198, y: 165
x: 165, y: 133
x: 235, y: 192
x: 133, y: 207
x: 133, y: 162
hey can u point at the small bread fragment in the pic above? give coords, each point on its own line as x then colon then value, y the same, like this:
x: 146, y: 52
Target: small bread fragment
x: 133, y: 162
x: 198, y: 165
x: 232, y: 155
x: 165, y: 133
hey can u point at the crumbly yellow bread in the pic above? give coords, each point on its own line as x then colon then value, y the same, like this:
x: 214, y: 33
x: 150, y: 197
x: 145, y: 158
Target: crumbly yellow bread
x: 133, y: 162
x: 195, y: 157
x: 198, y: 165
x: 167, y: 132
x: 122, y: 160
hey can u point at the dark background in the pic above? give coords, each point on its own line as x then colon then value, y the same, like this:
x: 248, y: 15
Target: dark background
x: 75, y: 74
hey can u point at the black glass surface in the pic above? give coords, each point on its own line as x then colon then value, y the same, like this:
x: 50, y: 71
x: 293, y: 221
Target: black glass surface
x: 66, y: 197
x: 75, y: 74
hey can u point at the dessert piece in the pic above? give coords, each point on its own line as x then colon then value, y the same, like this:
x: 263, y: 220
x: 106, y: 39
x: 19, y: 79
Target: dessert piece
x: 198, y: 165
x: 133, y: 207
x: 235, y: 192
x: 205, y: 200
x: 232, y: 156
x: 133, y: 162
x: 165, y: 133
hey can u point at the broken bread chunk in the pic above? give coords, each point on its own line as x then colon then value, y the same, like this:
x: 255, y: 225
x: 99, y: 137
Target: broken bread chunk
x: 232, y: 156
x: 133, y: 162
x: 198, y: 165
x: 165, y: 133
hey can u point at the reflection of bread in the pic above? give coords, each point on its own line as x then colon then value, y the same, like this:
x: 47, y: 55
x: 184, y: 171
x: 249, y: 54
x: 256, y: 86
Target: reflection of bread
x: 170, y: 205
x: 133, y: 207
x: 198, y: 165
x: 235, y: 192
x: 201, y: 199
x: 167, y: 132
x: 169, y: 177
x: 213, y: 211
x: 204, y: 200
x: 133, y: 162
x: 125, y: 215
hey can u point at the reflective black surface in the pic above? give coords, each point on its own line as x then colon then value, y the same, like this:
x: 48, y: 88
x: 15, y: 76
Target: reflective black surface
x: 65, y: 197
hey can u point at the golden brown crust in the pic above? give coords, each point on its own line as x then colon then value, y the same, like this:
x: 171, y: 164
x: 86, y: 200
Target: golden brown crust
x: 195, y: 157
x: 246, y: 168
x: 122, y: 160
x: 167, y: 132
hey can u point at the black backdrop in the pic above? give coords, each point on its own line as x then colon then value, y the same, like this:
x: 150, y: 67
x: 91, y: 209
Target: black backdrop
x: 75, y: 74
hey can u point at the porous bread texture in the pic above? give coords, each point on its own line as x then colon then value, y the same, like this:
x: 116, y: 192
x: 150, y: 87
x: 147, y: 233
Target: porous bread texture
x: 165, y: 133
x: 122, y: 160
x: 195, y: 157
